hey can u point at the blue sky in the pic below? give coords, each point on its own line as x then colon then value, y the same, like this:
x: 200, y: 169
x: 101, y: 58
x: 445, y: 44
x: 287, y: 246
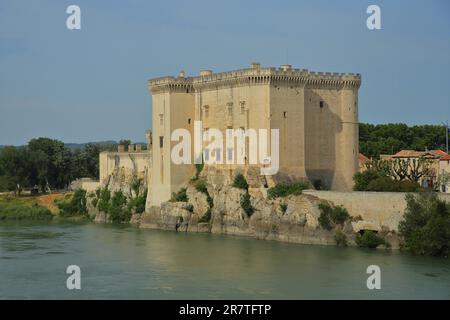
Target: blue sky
x: 90, y: 84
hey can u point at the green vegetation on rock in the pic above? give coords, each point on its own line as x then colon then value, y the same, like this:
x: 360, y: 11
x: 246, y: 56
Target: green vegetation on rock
x: 240, y: 182
x: 340, y: 238
x: 180, y: 196
x: 73, y: 205
x: 246, y: 204
x: 283, y: 207
x: 284, y: 190
x: 370, y: 239
x: 201, y: 186
x: 332, y: 215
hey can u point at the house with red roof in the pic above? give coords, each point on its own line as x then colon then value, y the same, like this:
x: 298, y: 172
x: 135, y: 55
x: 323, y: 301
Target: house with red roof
x: 362, y: 159
x: 438, y: 175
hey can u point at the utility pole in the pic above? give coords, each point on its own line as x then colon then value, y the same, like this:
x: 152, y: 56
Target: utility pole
x: 446, y: 135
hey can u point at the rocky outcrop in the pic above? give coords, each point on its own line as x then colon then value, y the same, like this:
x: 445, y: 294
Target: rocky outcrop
x: 127, y: 181
x: 122, y: 179
x: 291, y: 219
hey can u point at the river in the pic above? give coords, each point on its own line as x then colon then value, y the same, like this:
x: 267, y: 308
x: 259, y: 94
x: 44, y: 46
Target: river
x: 123, y: 262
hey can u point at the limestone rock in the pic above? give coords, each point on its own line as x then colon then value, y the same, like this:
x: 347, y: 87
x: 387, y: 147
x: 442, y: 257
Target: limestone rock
x: 198, y: 200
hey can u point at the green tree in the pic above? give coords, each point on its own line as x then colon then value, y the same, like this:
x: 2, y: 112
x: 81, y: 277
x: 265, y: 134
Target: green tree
x: 14, y: 164
x: 425, y: 227
x: 393, y: 137
x: 51, y: 163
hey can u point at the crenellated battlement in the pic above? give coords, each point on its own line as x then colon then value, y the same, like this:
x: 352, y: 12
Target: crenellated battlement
x: 255, y: 76
x: 169, y: 83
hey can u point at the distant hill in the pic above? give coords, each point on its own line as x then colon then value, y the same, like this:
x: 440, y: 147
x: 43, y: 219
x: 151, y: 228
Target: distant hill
x: 82, y: 145
x: 75, y: 146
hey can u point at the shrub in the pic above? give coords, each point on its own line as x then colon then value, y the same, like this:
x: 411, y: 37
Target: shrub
x: 372, y: 180
x: 206, y: 217
x: 180, y: 196
x: 136, y: 185
x: 340, y: 238
x: 324, y: 218
x: 283, y: 190
x: 118, y: 209
x: 73, y: 205
x: 137, y: 204
x: 370, y: 239
x: 240, y: 182
x: 339, y: 215
x: 362, y: 179
x: 283, y: 207
x: 425, y: 227
x: 198, y: 170
x: 200, y: 186
x: 387, y: 184
x: 246, y: 204
x: 103, y: 200
x: 330, y: 216
x: 117, y: 206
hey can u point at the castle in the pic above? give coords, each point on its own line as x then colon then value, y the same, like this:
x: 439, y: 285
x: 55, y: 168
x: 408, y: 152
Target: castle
x: 316, y: 114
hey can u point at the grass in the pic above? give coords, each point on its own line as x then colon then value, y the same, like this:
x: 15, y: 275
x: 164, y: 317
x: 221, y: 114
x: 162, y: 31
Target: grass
x: 26, y: 208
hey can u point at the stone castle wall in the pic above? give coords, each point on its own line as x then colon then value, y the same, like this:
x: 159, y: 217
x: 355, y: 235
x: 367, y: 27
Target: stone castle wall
x: 379, y: 209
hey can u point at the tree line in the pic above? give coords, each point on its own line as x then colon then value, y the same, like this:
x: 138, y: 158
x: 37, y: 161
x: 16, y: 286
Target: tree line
x: 47, y: 163
x: 393, y: 137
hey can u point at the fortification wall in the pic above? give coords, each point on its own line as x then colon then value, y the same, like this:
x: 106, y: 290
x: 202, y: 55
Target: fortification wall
x: 380, y: 209
x: 137, y: 162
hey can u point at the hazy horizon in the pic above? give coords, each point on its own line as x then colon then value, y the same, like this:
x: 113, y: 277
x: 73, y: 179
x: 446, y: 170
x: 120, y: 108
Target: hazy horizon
x: 91, y: 84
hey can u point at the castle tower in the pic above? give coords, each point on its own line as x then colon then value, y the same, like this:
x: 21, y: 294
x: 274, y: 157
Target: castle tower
x: 349, y: 136
x: 173, y: 108
x: 316, y: 114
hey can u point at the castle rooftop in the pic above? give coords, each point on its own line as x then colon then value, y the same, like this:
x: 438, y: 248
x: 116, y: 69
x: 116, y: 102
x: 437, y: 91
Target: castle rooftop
x: 254, y: 75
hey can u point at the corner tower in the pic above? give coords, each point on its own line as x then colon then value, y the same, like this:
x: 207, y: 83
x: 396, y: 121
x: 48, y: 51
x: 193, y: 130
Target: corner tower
x: 172, y: 108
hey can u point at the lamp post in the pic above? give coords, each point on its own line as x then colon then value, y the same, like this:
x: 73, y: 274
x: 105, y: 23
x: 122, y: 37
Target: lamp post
x: 446, y: 134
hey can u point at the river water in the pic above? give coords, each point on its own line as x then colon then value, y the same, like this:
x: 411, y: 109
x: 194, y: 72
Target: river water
x: 122, y: 262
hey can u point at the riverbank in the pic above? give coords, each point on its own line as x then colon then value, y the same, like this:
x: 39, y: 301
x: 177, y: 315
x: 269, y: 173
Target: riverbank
x: 33, y: 208
x: 23, y: 208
